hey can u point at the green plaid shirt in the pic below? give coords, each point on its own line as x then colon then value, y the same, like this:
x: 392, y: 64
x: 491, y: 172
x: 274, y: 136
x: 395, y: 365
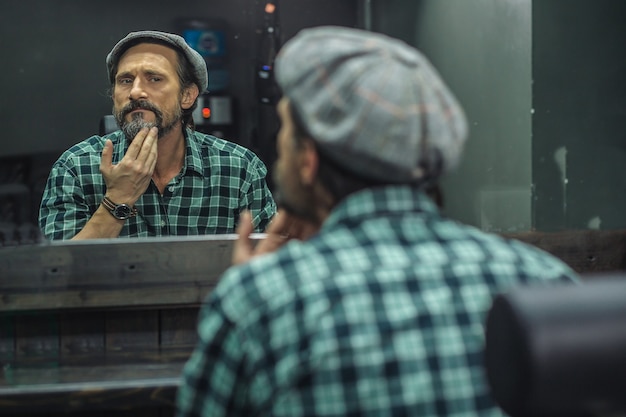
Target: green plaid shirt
x: 380, y: 314
x: 219, y: 179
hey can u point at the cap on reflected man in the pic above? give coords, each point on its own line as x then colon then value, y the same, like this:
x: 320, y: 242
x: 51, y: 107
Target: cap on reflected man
x: 372, y: 103
x: 175, y: 41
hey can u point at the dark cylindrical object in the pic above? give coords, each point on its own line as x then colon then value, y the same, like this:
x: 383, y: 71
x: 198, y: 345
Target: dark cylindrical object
x: 559, y: 350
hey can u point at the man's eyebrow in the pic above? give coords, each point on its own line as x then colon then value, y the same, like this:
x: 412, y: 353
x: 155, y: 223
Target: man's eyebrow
x: 123, y: 74
x: 148, y: 72
x: 153, y: 72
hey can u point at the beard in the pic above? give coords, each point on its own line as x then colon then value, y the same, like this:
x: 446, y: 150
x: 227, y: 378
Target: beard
x: 132, y: 127
x: 300, y: 202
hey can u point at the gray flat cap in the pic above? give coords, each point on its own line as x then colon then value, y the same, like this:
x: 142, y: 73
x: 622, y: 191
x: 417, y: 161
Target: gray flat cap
x: 372, y: 103
x: 176, y: 41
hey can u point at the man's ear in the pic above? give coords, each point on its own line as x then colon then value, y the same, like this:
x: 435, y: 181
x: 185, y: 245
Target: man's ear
x: 309, y: 162
x: 189, y: 96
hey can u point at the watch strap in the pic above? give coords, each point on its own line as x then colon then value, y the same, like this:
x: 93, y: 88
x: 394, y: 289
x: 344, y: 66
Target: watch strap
x: 112, y: 207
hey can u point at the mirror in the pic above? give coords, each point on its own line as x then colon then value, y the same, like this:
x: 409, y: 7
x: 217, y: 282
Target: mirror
x: 543, y: 93
x: 56, y: 86
x: 542, y: 84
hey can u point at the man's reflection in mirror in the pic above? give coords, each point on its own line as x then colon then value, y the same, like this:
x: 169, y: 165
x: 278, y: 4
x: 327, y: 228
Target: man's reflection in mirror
x: 156, y: 176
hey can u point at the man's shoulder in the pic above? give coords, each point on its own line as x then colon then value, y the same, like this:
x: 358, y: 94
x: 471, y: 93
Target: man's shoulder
x: 213, y: 146
x: 86, y: 151
x: 528, y: 259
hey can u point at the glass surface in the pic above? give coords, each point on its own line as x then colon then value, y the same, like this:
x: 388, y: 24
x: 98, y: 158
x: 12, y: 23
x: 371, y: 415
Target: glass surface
x: 56, y: 90
x: 544, y: 95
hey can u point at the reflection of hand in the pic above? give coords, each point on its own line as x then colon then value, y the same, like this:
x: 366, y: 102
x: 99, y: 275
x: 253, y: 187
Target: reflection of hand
x: 129, y: 179
x: 283, y: 228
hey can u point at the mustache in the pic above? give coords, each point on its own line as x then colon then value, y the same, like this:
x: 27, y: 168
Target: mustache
x: 140, y: 105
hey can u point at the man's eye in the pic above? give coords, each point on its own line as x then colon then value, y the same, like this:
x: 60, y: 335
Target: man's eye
x: 124, y: 81
x: 155, y: 79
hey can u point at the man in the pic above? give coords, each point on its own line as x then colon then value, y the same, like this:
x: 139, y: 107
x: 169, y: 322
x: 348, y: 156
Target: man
x: 365, y: 301
x: 156, y: 176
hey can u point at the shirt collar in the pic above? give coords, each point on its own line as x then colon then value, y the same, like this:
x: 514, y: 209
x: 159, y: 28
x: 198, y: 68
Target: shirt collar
x: 388, y: 199
x: 193, y: 153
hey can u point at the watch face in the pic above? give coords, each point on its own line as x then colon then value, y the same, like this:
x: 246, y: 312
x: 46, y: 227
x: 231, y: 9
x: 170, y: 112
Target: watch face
x: 122, y: 212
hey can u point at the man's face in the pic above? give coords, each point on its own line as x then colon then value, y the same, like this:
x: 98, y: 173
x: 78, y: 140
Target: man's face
x: 147, y: 90
x: 292, y: 194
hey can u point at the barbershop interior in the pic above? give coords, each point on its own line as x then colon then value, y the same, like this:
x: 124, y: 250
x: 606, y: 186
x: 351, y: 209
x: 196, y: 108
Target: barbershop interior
x: 104, y: 327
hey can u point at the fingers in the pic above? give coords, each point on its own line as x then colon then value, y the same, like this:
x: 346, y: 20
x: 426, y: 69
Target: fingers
x: 287, y: 225
x: 135, y: 145
x: 243, y: 249
x: 271, y: 243
x: 142, y: 163
x: 302, y: 230
x: 107, y: 156
x: 145, y: 139
x: 279, y: 224
x: 281, y: 230
x: 148, y: 151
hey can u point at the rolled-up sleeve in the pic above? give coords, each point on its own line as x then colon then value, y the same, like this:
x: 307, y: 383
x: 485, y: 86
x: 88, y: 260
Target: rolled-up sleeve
x: 63, y: 211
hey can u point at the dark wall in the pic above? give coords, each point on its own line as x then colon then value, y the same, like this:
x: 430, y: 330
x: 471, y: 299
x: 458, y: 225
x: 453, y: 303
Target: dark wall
x: 482, y: 48
x: 579, y: 124
x: 54, y: 82
x: 543, y: 87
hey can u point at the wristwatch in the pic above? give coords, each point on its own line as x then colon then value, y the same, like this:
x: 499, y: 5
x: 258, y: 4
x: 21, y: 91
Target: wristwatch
x: 119, y: 211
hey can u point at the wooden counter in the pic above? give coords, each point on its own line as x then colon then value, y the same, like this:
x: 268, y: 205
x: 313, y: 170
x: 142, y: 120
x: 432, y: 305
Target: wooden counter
x: 108, y: 324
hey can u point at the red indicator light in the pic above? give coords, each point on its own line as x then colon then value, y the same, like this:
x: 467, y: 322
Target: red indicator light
x: 206, y: 112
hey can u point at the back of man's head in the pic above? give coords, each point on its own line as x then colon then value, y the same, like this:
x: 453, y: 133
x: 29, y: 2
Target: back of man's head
x: 373, y: 104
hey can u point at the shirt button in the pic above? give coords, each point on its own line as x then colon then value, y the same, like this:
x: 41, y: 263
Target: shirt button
x: 162, y: 223
x: 171, y: 188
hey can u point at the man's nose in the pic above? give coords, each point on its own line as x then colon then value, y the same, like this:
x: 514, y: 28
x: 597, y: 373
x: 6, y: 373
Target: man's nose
x: 137, y: 91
